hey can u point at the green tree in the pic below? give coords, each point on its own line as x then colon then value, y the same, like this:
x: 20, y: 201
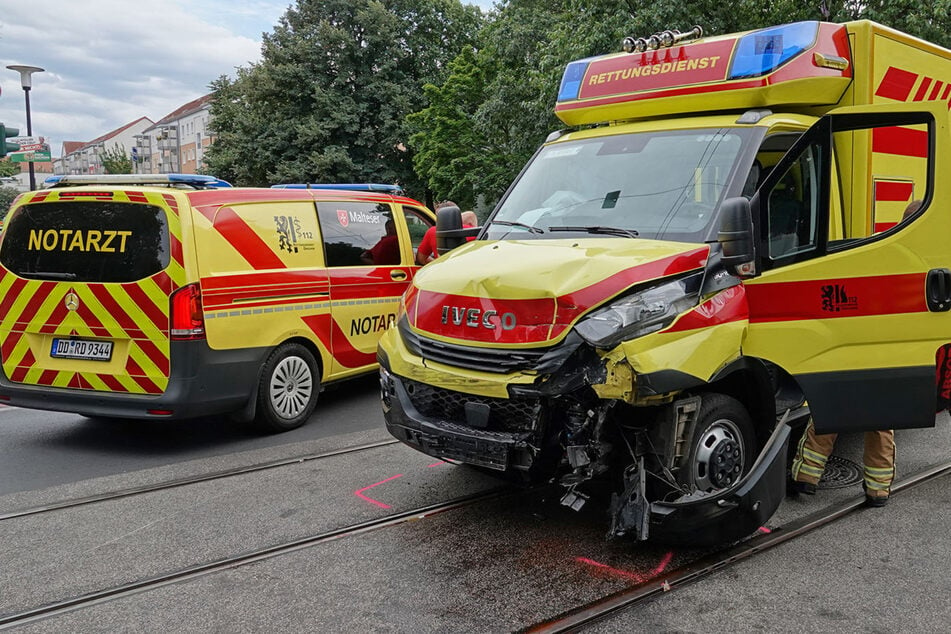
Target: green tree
x: 9, y: 168
x: 7, y: 196
x: 116, y: 160
x: 328, y: 100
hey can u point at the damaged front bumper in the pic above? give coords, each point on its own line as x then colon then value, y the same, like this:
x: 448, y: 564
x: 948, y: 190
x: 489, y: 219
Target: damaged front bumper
x: 471, y: 442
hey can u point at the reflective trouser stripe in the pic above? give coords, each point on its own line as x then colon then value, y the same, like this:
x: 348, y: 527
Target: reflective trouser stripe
x: 879, y: 479
x: 809, y: 464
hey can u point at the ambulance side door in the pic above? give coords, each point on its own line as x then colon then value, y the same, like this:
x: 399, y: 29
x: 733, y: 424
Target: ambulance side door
x: 854, y: 309
x: 370, y: 264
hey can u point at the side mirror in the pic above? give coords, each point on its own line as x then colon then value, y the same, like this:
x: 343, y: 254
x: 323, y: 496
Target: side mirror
x: 448, y: 228
x: 736, y: 235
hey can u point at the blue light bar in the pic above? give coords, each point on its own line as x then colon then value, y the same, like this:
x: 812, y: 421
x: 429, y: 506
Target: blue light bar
x: 762, y: 52
x: 571, y: 80
x: 360, y: 187
x: 198, y: 181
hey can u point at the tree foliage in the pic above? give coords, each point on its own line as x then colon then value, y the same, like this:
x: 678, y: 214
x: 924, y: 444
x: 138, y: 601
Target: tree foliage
x: 9, y: 168
x: 116, y: 160
x: 328, y: 100
x: 428, y: 92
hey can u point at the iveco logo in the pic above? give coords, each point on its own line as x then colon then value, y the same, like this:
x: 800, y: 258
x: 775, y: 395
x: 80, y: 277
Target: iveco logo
x: 477, y: 318
x: 72, y: 301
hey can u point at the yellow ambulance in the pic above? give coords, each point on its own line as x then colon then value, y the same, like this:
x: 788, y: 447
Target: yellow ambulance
x: 734, y: 233
x: 156, y: 296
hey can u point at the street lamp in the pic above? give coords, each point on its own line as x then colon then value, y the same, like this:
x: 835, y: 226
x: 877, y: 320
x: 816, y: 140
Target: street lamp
x: 26, y: 81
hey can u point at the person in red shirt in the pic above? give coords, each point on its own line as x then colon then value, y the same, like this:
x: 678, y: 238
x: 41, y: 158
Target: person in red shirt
x: 426, y: 251
x: 387, y: 250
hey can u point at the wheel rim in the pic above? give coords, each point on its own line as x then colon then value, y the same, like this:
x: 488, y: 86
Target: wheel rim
x: 720, y: 456
x: 291, y: 387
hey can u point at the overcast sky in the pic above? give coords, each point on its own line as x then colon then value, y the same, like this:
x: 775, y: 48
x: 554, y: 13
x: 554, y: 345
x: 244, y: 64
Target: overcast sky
x: 109, y: 62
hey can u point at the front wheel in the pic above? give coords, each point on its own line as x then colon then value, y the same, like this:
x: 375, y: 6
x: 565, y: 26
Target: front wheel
x: 723, y: 447
x: 287, y: 392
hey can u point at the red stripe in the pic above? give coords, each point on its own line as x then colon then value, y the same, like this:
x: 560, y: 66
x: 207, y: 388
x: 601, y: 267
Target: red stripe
x: 947, y: 90
x: 75, y: 381
x: 893, y: 191
x: 248, y: 244
x: 900, y: 141
x: 39, y: 296
x: 137, y: 374
x: 112, y: 308
x: 896, y: 84
x: 112, y: 383
x: 725, y: 307
x: 884, y: 226
x: 136, y: 197
x: 19, y: 373
x: 164, y: 282
x: 844, y: 297
x: 12, y: 295
x: 40, y: 197
x: 327, y: 330
x: 55, y: 319
x: 934, y: 91
x: 144, y: 303
x: 923, y: 88
x: 171, y: 202
x: 47, y: 377
x: 92, y: 320
x: 155, y: 354
x: 9, y: 343
x: 535, y: 320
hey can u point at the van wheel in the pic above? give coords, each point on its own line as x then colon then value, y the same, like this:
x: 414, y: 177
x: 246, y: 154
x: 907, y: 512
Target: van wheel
x: 287, y: 393
x: 723, y: 446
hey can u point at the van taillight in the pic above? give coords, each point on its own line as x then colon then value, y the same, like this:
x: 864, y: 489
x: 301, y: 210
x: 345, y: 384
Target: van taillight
x: 187, y: 319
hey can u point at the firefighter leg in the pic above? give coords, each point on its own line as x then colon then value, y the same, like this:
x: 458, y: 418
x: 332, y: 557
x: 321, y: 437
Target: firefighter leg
x: 811, y: 456
x: 879, y: 462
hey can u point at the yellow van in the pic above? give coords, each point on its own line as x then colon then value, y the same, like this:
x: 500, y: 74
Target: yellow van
x: 149, y: 296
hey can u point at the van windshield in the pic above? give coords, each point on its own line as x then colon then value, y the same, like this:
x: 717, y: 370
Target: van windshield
x: 662, y: 185
x: 86, y: 241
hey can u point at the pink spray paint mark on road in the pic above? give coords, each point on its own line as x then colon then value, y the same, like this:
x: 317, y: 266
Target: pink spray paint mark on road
x: 382, y: 505
x: 633, y: 576
x: 436, y: 464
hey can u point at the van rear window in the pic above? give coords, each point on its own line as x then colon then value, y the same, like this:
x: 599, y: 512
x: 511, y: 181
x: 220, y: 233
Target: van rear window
x: 86, y: 241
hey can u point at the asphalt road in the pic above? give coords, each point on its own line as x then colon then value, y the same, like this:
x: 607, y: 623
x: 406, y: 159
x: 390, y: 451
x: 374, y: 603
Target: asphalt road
x: 42, y: 449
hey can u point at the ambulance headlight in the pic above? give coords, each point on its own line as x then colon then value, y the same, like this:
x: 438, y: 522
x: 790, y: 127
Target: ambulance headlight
x: 639, y: 314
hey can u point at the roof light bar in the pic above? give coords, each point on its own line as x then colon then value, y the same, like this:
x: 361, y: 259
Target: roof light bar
x: 197, y: 181
x: 360, y: 187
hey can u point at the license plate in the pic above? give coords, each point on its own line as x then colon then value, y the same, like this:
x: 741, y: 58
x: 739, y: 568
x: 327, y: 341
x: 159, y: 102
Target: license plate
x: 81, y: 349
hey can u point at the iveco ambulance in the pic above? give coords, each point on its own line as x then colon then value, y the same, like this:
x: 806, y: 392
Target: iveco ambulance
x: 134, y: 297
x: 720, y: 242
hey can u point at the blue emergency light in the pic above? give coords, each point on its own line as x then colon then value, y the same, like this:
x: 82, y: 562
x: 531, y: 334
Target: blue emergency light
x: 197, y: 181
x: 762, y: 52
x: 359, y: 187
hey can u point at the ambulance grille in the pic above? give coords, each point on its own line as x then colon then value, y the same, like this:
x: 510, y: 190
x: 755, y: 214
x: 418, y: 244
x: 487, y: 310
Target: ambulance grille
x: 506, y: 414
x: 482, y: 359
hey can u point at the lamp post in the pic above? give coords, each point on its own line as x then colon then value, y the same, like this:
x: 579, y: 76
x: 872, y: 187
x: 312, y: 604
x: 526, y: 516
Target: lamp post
x: 26, y: 82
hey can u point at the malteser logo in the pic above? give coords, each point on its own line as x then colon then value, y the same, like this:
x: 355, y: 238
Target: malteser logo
x: 477, y: 318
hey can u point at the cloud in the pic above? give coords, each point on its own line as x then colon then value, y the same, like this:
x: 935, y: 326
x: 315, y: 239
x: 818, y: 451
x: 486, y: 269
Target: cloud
x: 110, y: 62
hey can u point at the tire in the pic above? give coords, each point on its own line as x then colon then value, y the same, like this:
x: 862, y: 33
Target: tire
x: 723, y: 447
x: 288, y: 390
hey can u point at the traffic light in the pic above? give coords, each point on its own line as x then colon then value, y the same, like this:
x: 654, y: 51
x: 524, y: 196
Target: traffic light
x: 5, y: 146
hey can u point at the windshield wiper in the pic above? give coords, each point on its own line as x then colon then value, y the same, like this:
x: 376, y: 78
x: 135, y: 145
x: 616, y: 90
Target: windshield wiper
x: 48, y: 275
x: 614, y: 231
x: 509, y: 223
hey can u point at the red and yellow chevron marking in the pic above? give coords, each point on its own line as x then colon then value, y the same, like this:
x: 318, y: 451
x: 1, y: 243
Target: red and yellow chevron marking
x: 133, y: 315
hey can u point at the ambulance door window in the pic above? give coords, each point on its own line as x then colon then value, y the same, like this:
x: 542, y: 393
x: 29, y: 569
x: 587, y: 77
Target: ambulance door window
x: 792, y: 209
x: 418, y: 223
x: 359, y: 234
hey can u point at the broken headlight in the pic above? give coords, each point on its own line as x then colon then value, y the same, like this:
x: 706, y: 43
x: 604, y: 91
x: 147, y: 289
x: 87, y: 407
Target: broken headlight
x: 640, y: 313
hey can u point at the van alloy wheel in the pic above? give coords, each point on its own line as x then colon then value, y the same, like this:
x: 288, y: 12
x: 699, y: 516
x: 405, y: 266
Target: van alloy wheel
x: 288, y: 389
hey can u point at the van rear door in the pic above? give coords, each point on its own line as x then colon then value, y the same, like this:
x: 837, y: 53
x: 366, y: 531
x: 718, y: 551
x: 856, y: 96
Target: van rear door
x: 85, y: 279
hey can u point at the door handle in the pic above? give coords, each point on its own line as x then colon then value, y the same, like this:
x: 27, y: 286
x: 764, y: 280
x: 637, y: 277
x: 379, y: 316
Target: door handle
x: 938, y: 290
x: 397, y: 275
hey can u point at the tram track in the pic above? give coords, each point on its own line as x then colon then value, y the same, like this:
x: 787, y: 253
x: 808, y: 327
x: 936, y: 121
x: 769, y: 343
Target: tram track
x: 200, y: 570
x: 186, y: 481
x: 603, y: 608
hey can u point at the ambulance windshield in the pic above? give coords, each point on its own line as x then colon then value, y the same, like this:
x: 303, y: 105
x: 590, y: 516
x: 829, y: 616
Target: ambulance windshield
x: 661, y: 185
